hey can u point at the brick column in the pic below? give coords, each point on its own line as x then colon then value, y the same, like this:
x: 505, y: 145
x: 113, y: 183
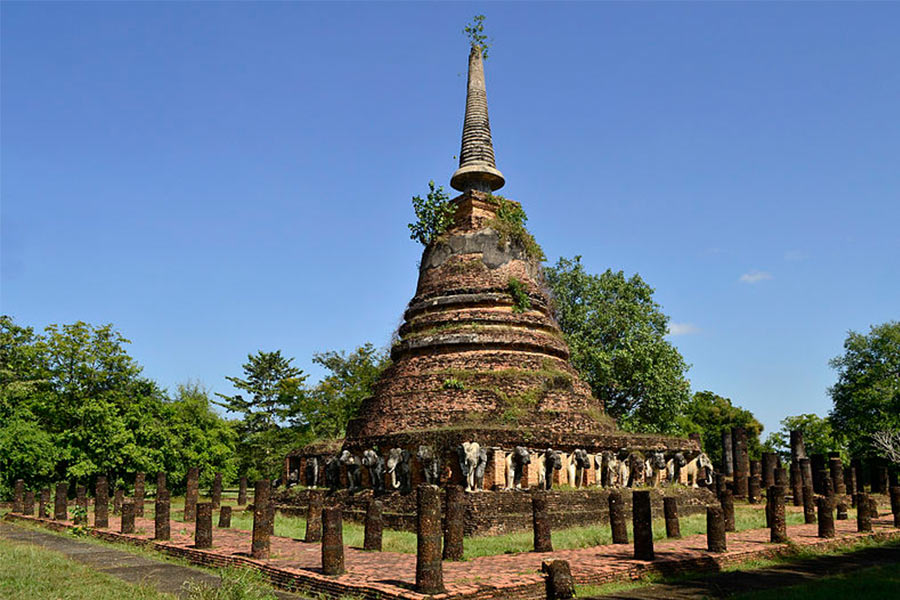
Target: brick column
x: 101, y: 503
x: 160, y: 481
x: 850, y: 480
x: 895, y: 504
x: 314, y: 516
x: 217, y: 491
x: 374, y: 526
x: 753, y: 489
x: 781, y: 477
x: 118, y: 498
x: 715, y: 529
x: 727, y: 501
x: 806, y: 472
x: 540, y: 522
x: 863, y: 518
x: 617, y: 517
x: 827, y: 485
x: 841, y: 511
x: 429, y: 569
x: 817, y: 464
x: 203, y: 528
x: 778, y: 532
x: 642, y: 524
x: 755, y: 468
x: 161, y: 517
x: 453, y: 523
x: 191, y: 493
x: 19, y: 496
x: 242, y: 492
x: 826, y: 518
x: 670, y: 511
x: 82, y: 503
x: 796, y: 484
x: 44, y: 504
x: 333, y: 541
x: 28, y: 504
x: 837, y: 474
x: 727, y: 453
x: 798, y: 450
x: 560, y: 583
x: 261, y: 519
x: 225, y: 517
x: 139, y: 479
x: 60, y: 506
x: 809, y: 505
x: 768, y: 469
x: 127, y: 517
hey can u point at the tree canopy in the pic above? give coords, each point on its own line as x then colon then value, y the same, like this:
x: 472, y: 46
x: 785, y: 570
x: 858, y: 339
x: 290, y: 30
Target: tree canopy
x: 818, y: 436
x: 710, y: 415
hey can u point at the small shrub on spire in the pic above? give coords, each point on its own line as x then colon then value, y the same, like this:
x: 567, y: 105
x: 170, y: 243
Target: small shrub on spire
x: 475, y: 32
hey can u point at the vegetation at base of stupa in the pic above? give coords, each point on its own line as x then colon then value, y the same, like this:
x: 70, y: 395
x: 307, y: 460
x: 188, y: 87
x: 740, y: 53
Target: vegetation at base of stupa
x: 474, y: 30
x: 434, y: 215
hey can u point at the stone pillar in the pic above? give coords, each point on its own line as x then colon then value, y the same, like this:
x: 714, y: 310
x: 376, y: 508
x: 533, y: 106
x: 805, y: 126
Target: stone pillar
x: 101, y: 503
x: 806, y: 472
x: 314, y: 516
x: 826, y: 517
x: 827, y: 485
x: 81, y: 502
x: 560, y: 583
x: 778, y: 531
x: 374, y: 526
x: 28, y: 503
x: 60, y: 506
x: 118, y: 498
x: 742, y: 455
x: 859, y: 477
x: 863, y: 518
x: 741, y: 484
x: 242, y: 492
x: 715, y: 529
x: 850, y: 480
x: 809, y: 505
x: 44, y: 504
x: 755, y: 468
x: 642, y: 524
x: 837, y: 474
x: 798, y: 450
x: 261, y: 516
x: 162, y: 515
x: 203, y: 528
x: 540, y: 523
x: 873, y: 507
x: 768, y: 469
x: 721, y: 484
x: 191, y: 493
x: 670, y: 511
x: 127, y: 517
x: 217, y: 491
x: 225, y: 517
x: 453, y: 523
x: 817, y: 464
x: 139, y: 479
x: 429, y: 569
x: 841, y: 511
x: 19, y: 496
x: 884, y: 481
x: 796, y: 484
x: 332, y: 541
x: 617, y: 521
x: 753, y: 489
x: 781, y: 477
x: 160, y: 481
x: 895, y: 504
x: 727, y: 453
x: 727, y: 501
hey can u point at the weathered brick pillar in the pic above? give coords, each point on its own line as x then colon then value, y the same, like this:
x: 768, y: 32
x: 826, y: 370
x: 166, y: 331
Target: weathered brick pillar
x: 203, y: 528
x: 44, y: 504
x: 191, y: 494
x: 118, y: 498
x: 560, y: 583
x: 101, y: 502
x: 217, y: 491
x: 837, y: 474
x: 895, y: 504
x: 160, y: 481
x: 860, y: 478
x: 884, y: 480
x: 827, y: 485
x: 850, y: 480
x: 28, y: 504
x: 727, y: 502
x: 742, y: 460
x: 540, y: 522
x: 225, y: 517
x: 781, y: 477
x: 259, y: 547
x: 642, y: 524
x: 19, y: 496
x: 806, y: 472
x: 841, y: 511
x: 374, y: 526
x: 778, y: 531
x: 429, y: 569
x: 863, y: 518
x: 798, y: 450
x: 768, y: 467
x: 826, y: 517
x: 796, y: 484
x: 727, y: 453
x: 809, y: 505
x: 82, y: 503
x: 753, y: 489
x: 715, y: 529
x: 242, y: 492
x: 617, y: 517
x: 741, y: 484
x: 721, y: 484
x: 139, y: 479
x: 873, y: 507
x: 60, y: 506
x: 333, y: 541
x: 127, y: 517
x: 670, y: 512
x: 755, y: 468
x: 314, y: 516
x: 161, y: 517
x: 453, y: 523
x: 817, y: 464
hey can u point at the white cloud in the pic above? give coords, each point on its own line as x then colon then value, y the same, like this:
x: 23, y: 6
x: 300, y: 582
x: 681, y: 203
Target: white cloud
x: 755, y: 277
x: 683, y: 329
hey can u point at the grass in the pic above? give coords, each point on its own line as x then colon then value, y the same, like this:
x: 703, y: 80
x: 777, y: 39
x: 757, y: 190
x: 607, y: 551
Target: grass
x: 873, y: 582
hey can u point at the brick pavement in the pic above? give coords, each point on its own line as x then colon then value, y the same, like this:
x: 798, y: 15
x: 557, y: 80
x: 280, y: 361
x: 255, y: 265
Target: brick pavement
x: 295, y: 565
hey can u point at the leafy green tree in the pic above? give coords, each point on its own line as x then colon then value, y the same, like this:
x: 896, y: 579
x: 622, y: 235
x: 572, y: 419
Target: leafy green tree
x: 475, y: 32
x: 866, y: 396
x: 434, y: 215
x: 616, y: 334
x: 710, y: 414
x: 818, y: 436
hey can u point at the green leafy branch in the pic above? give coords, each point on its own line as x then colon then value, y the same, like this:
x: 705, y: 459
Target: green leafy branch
x: 434, y: 215
x: 475, y: 32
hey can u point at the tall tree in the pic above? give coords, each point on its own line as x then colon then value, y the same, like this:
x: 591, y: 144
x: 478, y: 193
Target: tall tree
x: 818, y: 436
x: 710, y: 414
x: 616, y: 334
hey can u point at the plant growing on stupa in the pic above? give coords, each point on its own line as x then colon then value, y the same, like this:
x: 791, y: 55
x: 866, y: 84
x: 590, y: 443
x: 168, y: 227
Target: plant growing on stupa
x: 434, y: 215
x: 475, y: 32
x: 510, y: 225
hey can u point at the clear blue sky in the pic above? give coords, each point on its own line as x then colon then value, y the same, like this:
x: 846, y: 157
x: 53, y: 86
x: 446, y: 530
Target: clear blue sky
x: 216, y: 179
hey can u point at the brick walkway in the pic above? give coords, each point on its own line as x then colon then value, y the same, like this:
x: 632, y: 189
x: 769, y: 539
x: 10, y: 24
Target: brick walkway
x: 371, y: 575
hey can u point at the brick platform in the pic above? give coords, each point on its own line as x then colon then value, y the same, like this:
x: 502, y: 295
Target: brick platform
x: 295, y: 565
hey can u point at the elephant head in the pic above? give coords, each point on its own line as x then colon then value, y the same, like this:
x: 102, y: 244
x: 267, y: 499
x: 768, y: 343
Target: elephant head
x: 398, y: 467
x: 431, y: 464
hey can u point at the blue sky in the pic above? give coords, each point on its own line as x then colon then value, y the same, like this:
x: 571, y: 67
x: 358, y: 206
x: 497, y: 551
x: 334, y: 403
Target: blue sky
x: 216, y: 179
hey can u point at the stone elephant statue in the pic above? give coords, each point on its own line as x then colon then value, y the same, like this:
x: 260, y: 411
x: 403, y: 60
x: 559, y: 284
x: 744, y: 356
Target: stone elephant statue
x: 515, y: 467
x: 311, y: 475
x: 468, y: 453
x: 399, y: 470
x: 431, y: 464
x: 375, y: 465
x: 548, y: 463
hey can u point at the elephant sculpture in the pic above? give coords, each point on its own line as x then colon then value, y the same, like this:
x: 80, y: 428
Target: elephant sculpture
x: 548, y: 463
x: 480, y: 468
x: 431, y: 464
x: 468, y: 462
x: 699, y: 471
x: 636, y: 469
x: 375, y: 465
x: 515, y: 467
x: 333, y: 473
x: 312, y: 471
x: 655, y: 468
x: 398, y: 468
x: 579, y: 465
x: 674, y: 466
x: 354, y: 470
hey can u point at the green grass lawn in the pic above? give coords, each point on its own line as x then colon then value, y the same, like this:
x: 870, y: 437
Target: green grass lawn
x: 874, y: 582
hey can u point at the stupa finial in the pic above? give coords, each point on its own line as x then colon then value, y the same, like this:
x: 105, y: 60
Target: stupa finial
x: 477, y: 169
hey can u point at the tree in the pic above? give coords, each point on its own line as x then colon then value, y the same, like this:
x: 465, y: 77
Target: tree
x: 866, y: 397
x: 710, y: 414
x: 616, y: 334
x: 475, y: 32
x: 434, y: 215
x: 818, y: 436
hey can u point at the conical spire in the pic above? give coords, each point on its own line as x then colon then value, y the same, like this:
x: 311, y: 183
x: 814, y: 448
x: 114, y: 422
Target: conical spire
x: 477, y: 169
